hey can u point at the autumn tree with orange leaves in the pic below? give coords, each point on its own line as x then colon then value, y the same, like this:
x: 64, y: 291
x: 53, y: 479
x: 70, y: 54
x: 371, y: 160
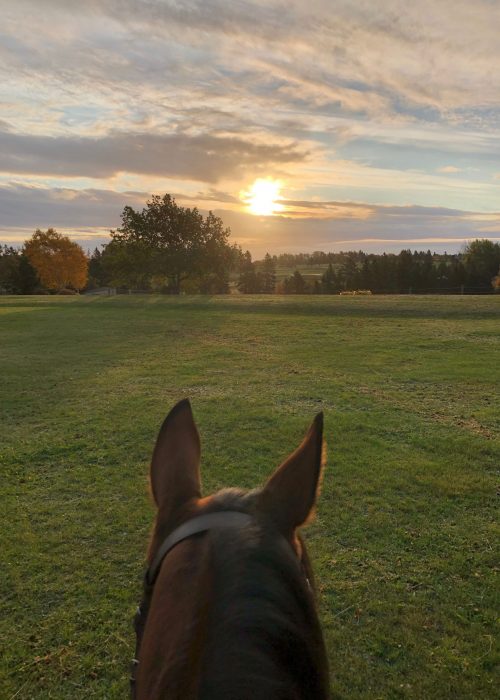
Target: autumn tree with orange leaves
x: 59, y: 262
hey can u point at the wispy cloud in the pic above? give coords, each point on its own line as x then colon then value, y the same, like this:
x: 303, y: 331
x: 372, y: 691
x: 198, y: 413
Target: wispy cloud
x: 449, y: 169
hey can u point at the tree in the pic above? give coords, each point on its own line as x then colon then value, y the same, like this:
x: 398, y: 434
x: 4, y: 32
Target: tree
x: 169, y: 240
x: 268, y: 273
x: 9, y: 269
x: 98, y: 276
x: 295, y: 284
x: 348, y: 273
x: 481, y: 261
x: 383, y: 274
x: 128, y: 265
x: 58, y: 261
x: 249, y: 281
x: 405, y: 272
x: 457, y: 274
x: 16, y: 274
x: 28, y: 281
x: 428, y: 272
x: 329, y: 281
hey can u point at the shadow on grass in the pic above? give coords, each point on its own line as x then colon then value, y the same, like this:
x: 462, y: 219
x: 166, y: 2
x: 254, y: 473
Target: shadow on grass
x: 397, y: 306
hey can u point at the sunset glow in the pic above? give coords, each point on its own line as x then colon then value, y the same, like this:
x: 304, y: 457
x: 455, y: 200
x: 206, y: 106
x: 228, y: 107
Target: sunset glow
x: 262, y: 197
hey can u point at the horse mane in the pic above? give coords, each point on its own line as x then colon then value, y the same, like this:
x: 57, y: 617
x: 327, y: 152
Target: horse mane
x: 263, y: 634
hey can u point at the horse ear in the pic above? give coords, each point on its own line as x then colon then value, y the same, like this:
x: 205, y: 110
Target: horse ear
x: 175, y: 466
x: 290, y: 494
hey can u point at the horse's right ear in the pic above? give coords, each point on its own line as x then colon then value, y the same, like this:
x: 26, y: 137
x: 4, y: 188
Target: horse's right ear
x: 290, y: 494
x: 175, y: 466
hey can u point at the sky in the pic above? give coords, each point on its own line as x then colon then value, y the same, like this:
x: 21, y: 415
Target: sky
x: 370, y: 125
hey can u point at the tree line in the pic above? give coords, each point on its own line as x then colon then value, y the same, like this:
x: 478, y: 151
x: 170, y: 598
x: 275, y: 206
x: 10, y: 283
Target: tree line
x: 476, y: 270
x: 171, y: 249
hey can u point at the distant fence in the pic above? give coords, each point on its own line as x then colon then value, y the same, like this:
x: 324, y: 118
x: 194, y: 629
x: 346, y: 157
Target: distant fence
x: 111, y: 291
x: 102, y: 292
x: 462, y: 289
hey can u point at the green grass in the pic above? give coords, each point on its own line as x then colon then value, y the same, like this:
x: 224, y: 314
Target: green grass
x: 405, y: 541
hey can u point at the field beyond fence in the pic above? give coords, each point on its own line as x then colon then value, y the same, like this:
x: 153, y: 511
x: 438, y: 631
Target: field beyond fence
x: 405, y: 542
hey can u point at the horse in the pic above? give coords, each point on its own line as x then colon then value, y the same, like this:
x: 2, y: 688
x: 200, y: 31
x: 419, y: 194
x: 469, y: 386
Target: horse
x: 228, y: 609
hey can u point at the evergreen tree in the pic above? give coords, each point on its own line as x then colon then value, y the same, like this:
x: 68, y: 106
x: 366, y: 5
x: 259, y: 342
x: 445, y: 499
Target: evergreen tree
x: 329, y: 281
x: 428, y: 272
x: 365, y: 274
x: 442, y: 277
x: 348, y: 273
x: 295, y: 284
x: 17, y: 276
x: 98, y: 275
x: 9, y: 269
x: 268, y: 275
x: 28, y: 282
x: 249, y: 281
x: 404, y: 273
x: 457, y: 274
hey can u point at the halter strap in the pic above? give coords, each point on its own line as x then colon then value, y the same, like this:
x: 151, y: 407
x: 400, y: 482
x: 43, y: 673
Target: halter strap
x: 201, y: 523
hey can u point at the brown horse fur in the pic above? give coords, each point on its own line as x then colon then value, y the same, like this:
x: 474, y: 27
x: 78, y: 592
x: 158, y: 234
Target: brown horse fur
x: 231, y: 615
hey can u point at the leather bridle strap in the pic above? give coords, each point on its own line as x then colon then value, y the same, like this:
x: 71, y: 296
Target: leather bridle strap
x: 201, y: 523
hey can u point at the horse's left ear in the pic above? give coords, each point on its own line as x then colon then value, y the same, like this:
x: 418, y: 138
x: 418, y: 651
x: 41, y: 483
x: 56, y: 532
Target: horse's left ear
x: 175, y: 466
x: 290, y: 494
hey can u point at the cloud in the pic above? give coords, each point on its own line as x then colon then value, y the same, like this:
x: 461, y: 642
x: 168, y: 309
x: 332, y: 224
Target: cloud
x: 449, y: 169
x: 204, y: 157
x: 28, y: 207
x: 386, y: 229
x: 361, y: 210
x: 210, y: 196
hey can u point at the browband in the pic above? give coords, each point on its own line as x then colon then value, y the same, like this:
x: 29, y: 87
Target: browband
x: 201, y: 523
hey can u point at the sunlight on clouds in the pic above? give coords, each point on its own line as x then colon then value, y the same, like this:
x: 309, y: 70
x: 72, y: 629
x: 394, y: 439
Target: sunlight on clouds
x: 327, y: 210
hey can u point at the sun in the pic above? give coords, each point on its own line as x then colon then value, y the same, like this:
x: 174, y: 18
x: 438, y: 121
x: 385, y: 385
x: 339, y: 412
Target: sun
x: 262, y: 195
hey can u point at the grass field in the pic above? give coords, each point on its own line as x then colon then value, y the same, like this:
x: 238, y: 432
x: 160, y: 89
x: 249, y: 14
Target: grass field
x: 405, y: 541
